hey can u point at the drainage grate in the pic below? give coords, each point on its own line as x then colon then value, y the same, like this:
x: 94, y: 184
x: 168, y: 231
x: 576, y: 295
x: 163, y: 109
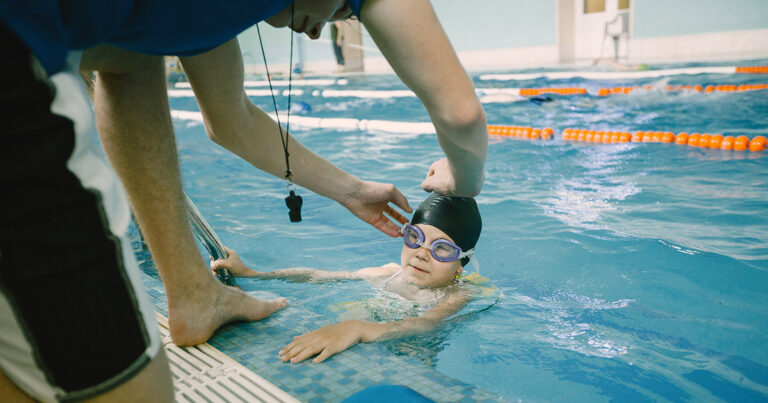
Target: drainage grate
x: 205, y: 374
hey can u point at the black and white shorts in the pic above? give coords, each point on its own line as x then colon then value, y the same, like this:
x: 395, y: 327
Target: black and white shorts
x: 75, y: 320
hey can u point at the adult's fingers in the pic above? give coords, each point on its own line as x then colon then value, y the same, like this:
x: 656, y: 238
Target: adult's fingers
x: 388, y: 227
x: 400, y: 200
x: 395, y: 215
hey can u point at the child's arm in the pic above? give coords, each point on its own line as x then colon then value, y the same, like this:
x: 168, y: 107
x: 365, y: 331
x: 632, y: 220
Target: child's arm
x: 238, y: 268
x: 332, y: 339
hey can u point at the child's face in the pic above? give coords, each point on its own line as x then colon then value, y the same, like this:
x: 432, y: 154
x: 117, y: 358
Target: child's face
x: 421, y: 268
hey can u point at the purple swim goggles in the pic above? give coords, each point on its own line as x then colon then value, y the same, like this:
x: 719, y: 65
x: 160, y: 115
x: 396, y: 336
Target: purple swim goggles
x: 442, y: 250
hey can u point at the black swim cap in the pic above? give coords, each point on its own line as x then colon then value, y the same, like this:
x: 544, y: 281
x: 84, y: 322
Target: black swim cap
x: 458, y: 217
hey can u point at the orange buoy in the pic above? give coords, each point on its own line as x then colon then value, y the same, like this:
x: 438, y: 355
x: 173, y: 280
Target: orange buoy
x: 625, y: 137
x: 597, y: 136
x: 637, y: 137
x: 615, y: 137
x: 668, y: 137
x: 693, y: 139
x: 727, y: 143
x: 758, y: 144
x: 681, y: 138
x: 704, y: 140
x: 716, y: 141
x: 741, y: 143
x: 585, y: 135
x: 535, y: 133
x: 648, y: 137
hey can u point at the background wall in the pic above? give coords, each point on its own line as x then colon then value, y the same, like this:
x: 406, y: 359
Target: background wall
x: 497, y: 24
x: 659, y: 18
x: 504, y: 34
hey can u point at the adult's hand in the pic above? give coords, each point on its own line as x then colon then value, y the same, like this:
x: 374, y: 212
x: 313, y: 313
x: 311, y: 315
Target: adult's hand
x: 440, y: 179
x: 372, y: 202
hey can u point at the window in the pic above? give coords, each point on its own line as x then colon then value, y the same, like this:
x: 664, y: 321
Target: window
x: 594, y: 6
x: 623, y: 4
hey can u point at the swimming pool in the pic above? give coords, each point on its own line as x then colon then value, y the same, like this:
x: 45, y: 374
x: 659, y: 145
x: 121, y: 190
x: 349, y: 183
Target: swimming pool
x: 628, y: 272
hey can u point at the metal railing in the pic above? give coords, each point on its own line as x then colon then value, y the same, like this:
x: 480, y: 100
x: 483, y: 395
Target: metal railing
x: 208, y: 237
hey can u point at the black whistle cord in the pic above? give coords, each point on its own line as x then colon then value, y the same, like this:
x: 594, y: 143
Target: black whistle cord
x: 293, y: 202
x: 283, y: 139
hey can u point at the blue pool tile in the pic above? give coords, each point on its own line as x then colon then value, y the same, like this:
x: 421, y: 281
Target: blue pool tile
x: 301, y: 390
x: 366, y: 382
x: 349, y: 372
x: 344, y: 381
x: 316, y: 400
x: 318, y: 389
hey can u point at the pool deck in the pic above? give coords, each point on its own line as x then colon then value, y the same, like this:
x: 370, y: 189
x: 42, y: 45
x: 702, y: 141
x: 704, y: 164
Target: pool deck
x: 203, y: 373
x: 225, y: 368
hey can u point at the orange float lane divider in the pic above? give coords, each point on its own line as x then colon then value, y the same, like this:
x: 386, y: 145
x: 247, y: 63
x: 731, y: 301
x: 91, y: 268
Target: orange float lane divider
x: 705, y: 140
x: 561, y: 91
x: 522, y: 132
x: 752, y: 69
x: 697, y: 88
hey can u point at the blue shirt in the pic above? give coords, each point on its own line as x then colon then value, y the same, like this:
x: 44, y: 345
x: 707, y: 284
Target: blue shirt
x: 51, y: 28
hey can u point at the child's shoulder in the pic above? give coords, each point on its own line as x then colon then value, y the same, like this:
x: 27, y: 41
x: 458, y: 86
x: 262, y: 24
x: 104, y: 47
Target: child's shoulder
x: 387, y: 269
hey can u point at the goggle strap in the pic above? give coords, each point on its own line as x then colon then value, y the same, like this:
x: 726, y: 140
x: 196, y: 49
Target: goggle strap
x: 475, y: 263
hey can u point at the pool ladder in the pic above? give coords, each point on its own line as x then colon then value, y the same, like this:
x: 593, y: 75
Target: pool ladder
x: 208, y: 237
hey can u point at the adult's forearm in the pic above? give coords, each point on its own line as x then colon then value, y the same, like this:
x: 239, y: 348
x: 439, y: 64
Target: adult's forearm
x: 258, y: 142
x: 466, y: 147
x: 411, y: 38
x: 235, y: 123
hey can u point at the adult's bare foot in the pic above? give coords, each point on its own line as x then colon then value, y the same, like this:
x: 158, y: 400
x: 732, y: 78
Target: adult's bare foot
x: 193, y: 317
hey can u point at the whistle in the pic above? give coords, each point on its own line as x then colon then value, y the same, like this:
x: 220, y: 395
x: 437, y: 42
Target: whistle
x: 294, y: 203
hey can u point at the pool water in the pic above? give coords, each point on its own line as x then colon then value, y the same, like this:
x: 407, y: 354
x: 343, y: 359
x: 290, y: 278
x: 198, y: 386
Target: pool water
x: 631, y: 272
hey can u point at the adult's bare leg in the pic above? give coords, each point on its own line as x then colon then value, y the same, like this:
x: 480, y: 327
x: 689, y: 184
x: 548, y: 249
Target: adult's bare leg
x: 134, y: 124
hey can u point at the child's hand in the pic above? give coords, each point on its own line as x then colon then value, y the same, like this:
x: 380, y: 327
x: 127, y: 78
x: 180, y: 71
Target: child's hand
x: 234, y: 265
x: 327, y: 341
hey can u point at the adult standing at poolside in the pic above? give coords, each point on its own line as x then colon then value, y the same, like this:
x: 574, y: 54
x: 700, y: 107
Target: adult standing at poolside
x: 134, y: 124
x: 337, y: 43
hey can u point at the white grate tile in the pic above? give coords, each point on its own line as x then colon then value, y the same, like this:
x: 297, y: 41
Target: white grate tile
x: 205, y: 374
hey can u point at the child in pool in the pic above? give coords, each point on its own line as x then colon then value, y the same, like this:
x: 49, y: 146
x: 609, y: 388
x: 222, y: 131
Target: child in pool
x: 438, y: 243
